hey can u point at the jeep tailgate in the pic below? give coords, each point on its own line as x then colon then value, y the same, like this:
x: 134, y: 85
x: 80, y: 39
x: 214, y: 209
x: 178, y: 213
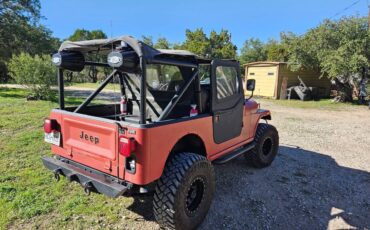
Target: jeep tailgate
x: 89, y: 141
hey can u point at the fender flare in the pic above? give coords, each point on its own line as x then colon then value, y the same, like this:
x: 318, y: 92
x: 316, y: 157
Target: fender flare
x: 264, y: 114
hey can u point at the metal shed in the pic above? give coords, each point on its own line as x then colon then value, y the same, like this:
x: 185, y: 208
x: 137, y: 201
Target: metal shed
x: 274, y: 78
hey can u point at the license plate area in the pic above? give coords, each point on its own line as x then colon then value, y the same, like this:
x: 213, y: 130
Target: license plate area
x: 52, y: 138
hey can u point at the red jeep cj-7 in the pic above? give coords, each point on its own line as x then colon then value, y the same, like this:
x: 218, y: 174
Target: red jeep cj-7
x: 176, y: 115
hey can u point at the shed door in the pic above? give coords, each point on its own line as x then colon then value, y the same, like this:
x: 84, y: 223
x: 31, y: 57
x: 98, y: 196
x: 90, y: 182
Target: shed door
x: 265, y: 77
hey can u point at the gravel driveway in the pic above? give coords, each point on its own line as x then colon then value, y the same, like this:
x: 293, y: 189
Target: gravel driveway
x: 319, y: 180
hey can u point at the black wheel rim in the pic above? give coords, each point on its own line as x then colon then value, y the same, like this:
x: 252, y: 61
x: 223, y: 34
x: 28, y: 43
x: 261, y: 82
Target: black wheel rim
x: 194, y: 195
x: 267, y: 146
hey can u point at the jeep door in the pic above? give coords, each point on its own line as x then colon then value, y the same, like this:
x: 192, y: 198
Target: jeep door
x: 227, y: 100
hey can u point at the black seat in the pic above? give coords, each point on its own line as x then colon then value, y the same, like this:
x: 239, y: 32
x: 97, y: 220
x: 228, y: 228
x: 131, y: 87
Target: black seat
x: 204, y: 98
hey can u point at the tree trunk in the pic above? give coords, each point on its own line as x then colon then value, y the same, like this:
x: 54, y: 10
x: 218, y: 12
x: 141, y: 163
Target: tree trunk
x: 93, y: 74
x: 4, y: 76
x: 345, y: 90
x: 69, y: 77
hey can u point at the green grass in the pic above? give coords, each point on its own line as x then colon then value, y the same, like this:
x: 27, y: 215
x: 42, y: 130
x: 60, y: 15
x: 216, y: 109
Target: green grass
x: 29, y: 197
x: 90, y: 85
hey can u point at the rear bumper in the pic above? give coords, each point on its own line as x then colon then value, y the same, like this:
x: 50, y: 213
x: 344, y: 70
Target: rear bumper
x: 89, y: 178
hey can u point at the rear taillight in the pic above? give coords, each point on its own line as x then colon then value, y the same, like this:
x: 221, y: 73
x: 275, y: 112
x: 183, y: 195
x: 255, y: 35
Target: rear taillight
x: 50, y: 125
x: 126, y: 146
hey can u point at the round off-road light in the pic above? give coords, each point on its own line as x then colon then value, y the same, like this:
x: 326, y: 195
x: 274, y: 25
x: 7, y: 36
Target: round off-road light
x: 56, y: 59
x: 70, y: 60
x: 126, y: 61
x: 114, y: 60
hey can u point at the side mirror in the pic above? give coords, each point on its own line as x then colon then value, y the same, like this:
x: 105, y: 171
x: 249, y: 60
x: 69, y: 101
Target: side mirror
x: 251, y: 84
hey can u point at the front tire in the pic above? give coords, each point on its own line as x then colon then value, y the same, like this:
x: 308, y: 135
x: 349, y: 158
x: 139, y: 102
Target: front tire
x: 266, y: 147
x: 185, y: 191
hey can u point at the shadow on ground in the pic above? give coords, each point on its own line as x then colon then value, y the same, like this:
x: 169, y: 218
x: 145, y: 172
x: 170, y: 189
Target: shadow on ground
x: 143, y: 206
x: 8, y: 93
x: 300, y: 190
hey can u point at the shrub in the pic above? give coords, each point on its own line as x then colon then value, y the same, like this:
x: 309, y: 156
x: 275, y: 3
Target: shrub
x: 36, y: 73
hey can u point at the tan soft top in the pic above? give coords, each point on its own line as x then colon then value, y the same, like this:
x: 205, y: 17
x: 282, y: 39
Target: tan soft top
x: 106, y: 45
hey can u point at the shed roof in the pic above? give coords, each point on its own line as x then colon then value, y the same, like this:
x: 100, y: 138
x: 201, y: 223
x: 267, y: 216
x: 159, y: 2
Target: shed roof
x: 265, y: 63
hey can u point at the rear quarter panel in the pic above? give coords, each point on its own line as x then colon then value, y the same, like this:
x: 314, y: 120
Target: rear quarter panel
x: 160, y: 140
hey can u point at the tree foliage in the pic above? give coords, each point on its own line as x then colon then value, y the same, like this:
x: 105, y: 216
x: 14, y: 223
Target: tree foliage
x: 20, y: 31
x: 276, y: 51
x: 197, y: 42
x: 147, y: 40
x: 253, y: 50
x: 221, y: 45
x: 92, y: 72
x: 27, y: 10
x: 214, y: 46
x: 82, y: 35
x: 34, y: 72
x: 338, y: 49
x: 162, y: 43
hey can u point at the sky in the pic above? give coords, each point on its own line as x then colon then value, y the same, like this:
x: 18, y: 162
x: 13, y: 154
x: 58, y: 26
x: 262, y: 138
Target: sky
x: 261, y: 19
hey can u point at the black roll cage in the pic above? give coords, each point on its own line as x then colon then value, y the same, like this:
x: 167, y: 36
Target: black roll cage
x: 147, y: 55
x: 125, y: 79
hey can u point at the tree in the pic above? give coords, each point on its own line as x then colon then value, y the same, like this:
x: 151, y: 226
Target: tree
x: 214, y: 46
x: 147, y: 40
x: 34, y: 72
x: 197, y: 42
x: 27, y: 10
x: 253, y: 50
x: 338, y: 49
x: 276, y: 51
x: 20, y: 31
x: 221, y: 45
x: 162, y: 43
x: 82, y: 35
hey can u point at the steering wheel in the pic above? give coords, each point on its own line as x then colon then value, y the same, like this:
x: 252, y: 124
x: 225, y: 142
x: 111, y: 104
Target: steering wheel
x: 164, y: 86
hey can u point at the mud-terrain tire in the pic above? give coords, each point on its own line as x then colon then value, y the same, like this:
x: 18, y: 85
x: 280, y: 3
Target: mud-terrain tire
x: 266, y: 147
x: 184, y: 193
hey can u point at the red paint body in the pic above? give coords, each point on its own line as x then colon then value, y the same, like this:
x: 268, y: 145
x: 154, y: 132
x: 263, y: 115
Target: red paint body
x: 94, y: 142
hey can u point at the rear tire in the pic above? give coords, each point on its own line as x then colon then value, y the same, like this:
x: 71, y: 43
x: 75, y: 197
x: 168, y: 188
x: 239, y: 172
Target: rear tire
x: 266, y: 147
x: 184, y: 193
